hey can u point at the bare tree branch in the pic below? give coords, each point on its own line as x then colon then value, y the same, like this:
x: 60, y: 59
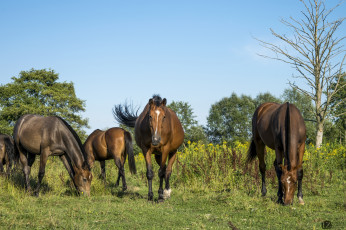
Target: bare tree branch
x: 315, y: 55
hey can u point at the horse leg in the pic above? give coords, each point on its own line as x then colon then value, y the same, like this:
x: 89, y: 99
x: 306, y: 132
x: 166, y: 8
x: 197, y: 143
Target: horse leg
x: 27, y: 161
x: 277, y: 163
x: 161, y: 174
x: 9, y: 166
x: 300, y: 173
x: 260, y: 149
x: 43, y: 160
x: 171, y: 159
x: 150, y: 173
x: 1, y: 166
x: 121, y: 173
x: 2, y: 157
x: 67, y: 164
x: 300, y: 191
x: 103, y: 171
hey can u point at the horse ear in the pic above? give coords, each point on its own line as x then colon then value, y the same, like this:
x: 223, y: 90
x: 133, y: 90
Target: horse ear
x: 164, y: 101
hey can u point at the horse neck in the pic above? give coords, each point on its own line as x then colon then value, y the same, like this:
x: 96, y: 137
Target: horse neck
x: 73, y: 151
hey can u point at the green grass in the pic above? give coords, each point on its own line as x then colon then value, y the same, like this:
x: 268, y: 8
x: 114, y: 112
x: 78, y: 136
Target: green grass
x: 194, y: 204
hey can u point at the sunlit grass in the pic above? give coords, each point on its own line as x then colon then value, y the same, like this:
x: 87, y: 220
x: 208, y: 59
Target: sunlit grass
x: 211, y: 188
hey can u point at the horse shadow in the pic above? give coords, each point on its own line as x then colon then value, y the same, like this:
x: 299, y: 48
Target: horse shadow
x: 17, y: 178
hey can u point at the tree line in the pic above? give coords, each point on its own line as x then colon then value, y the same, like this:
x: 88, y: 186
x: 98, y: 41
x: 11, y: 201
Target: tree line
x: 39, y: 92
x: 314, y: 48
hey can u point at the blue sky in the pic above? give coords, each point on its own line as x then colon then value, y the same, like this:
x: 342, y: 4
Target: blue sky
x: 193, y: 51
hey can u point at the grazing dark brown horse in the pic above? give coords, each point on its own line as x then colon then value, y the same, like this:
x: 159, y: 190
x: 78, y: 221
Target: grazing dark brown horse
x: 281, y: 128
x: 115, y: 143
x: 6, y: 152
x: 46, y: 136
x: 157, y: 131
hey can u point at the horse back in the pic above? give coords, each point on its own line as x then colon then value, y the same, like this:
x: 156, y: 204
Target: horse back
x: 115, y: 140
x: 34, y: 132
x: 101, y: 145
x: 262, y: 123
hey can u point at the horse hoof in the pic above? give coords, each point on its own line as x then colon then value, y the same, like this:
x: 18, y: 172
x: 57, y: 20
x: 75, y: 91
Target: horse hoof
x: 301, y: 201
x: 150, y: 197
x: 280, y: 201
x: 167, y: 194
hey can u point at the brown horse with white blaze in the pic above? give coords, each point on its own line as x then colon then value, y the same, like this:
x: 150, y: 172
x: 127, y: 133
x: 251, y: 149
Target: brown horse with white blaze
x: 158, y: 131
x: 45, y: 136
x: 115, y: 143
x: 281, y: 127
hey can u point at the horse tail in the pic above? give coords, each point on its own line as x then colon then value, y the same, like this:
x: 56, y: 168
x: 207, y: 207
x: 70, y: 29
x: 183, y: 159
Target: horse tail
x: 288, y: 134
x: 129, y: 152
x: 125, y: 115
x: 251, y: 154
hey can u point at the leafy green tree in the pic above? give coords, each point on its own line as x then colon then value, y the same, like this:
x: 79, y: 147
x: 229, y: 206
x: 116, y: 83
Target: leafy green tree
x: 230, y: 119
x: 193, y: 131
x: 306, y: 107
x: 339, y: 112
x: 38, y: 92
x: 265, y: 97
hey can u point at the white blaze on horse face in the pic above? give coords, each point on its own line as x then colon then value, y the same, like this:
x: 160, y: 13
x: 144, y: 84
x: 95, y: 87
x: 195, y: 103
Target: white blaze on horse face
x: 157, y: 118
x: 288, y: 182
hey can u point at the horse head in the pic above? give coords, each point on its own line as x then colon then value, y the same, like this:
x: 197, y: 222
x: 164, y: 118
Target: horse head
x: 289, y: 184
x: 82, y: 180
x: 157, y: 115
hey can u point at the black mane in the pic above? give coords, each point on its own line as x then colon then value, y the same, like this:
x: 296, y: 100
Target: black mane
x: 75, y: 135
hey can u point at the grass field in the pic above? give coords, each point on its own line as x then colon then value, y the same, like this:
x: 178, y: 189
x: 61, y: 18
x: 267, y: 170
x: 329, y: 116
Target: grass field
x: 211, y: 189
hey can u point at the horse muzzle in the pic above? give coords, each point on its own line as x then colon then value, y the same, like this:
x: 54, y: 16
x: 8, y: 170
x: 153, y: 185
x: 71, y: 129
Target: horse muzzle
x: 155, y: 140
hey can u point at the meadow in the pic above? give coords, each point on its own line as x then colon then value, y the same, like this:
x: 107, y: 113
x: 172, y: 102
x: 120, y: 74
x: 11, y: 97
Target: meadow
x: 212, y: 188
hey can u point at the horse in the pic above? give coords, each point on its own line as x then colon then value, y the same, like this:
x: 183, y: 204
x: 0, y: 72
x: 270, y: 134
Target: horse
x: 158, y: 131
x: 6, y: 152
x: 51, y: 136
x: 115, y: 143
x: 281, y: 127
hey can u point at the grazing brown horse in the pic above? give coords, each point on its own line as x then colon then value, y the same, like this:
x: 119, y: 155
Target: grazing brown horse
x: 115, y: 143
x: 281, y: 128
x: 157, y: 131
x: 46, y: 136
x: 6, y: 152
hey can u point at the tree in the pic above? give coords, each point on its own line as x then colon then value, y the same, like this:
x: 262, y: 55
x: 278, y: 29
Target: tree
x: 265, y: 97
x: 306, y: 108
x: 193, y: 131
x: 230, y: 119
x: 316, y: 54
x: 38, y: 92
x: 339, y: 113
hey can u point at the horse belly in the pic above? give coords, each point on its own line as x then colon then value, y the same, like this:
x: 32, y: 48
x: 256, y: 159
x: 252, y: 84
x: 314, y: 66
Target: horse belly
x: 265, y: 133
x: 31, y: 142
x: 2, y: 151
x: 99, y: 151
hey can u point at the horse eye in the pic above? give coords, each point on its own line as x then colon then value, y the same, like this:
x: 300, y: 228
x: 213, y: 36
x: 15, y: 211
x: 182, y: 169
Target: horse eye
x: 84, y: 179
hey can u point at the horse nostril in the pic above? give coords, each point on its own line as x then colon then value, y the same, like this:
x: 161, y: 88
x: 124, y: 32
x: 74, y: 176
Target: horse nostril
x: 156, y: 140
